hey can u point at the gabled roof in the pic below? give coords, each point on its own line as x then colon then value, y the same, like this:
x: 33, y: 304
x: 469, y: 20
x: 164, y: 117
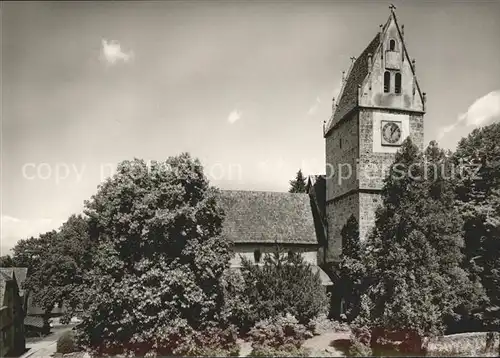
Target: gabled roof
x: 355, y: 76
x: 20, y: 275
x: 358, y: 73
x: 267, y: 217
x: 316, y: 187
x: 4, y: 278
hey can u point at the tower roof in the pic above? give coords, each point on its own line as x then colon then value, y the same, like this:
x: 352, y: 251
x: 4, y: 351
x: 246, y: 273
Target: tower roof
x: 359, y: 72
x: 19, y: 273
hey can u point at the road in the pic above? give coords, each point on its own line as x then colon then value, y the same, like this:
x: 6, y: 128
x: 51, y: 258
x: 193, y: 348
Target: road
x: 46, y: 346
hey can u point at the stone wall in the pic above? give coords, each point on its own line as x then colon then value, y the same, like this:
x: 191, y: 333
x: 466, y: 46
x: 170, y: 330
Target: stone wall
x: 464, y: 344
x: 337, y: 213
x: 368, y: 204
x: 373, y: 165
x: 342, y: 151
x: 417, y: 130
x: 397, y: 61
x: 359, y: 130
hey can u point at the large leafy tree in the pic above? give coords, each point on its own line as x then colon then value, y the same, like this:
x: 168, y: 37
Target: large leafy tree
x: 159, y: 258
x: 298, y: 185
x: 478, y: 200
x: 414, y: 255
x: 56, y: 262
x: 28, y: 252
x: 6, y: 261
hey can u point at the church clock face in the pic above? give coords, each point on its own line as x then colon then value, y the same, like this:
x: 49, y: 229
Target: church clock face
x: 391, y: 133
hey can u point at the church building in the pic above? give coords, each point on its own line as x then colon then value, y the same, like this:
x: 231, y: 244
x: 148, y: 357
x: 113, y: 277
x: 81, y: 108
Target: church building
x: 379, y: 105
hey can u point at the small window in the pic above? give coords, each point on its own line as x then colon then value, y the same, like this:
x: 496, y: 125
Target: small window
x: 387, y: 81
x: 290, y: 254
x: 397, y: 83
x: 340, y: 143
x: 256, y: 256
x: 392, y: 45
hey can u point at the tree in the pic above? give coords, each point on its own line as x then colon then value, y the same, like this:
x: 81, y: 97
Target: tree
x: 6, y: 261
x: 285, y: 283
x: 414, y: 252
x: 56, y: 262
x: 32, y: 254
x: 28, y: 252
x: 478, y: 200
x: 352, y: 270
x: 159, y: 259
x: 298, y: 185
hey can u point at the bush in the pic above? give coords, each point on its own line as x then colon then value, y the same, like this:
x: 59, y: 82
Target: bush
x: 236, y: 307
x: 217, y: 342
x: 66, y: 343
x: 279, y: 333
x: 181, y: 340
x: 361, y: 334
x: 276, y: 352
x: 283, y: 284
x: 322, y: 324
x: 358, y: 349
x: 178, y: 339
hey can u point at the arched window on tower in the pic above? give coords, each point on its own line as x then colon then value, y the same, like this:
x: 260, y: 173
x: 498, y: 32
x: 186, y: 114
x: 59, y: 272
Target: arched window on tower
x: 397, y: 83
x: 387, y: 81
x: 392, y: 45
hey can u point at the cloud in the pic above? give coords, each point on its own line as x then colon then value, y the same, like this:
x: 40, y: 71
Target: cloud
x: 234, y: 116
x: 112, y: 52
x: 447, y: 129
x: 9, y: 219
x: 314, y: 108
x: 14, y: 229
x: 483, y: 111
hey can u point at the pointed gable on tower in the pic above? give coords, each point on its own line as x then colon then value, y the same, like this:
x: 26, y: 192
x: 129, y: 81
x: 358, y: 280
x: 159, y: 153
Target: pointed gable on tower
x: 383, y: 76
x: 379, y: 91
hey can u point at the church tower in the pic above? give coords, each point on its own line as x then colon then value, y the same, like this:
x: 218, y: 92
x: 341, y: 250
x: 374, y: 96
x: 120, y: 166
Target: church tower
x: 379, y: 106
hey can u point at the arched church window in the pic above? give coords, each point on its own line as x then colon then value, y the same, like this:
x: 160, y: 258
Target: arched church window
x: 257, y: 255
x: 397, y: 83
x: 387, y: 81
x: 392, y: 45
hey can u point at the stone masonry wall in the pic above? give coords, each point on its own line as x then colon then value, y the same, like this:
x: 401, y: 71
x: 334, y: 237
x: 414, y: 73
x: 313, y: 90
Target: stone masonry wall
x: 373, y: 167
x: 337, y: 213
x: 417, y: 130
x: 342, y: 151
x: 368, y: 204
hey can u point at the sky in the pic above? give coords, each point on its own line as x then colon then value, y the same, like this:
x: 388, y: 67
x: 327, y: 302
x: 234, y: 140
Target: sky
x: 243, y: 86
